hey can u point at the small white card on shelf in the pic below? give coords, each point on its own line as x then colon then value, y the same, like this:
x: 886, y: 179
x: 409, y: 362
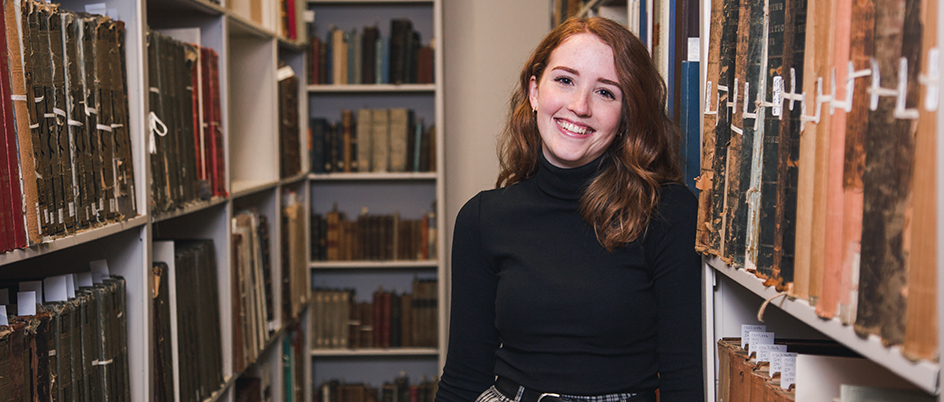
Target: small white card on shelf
x: 757, y: 339
x: 32, y: 286
x: 3, y: 316
x: 55, y: 289
x: 764, y: 351
x: 99, y: 270
x: 788, y: 370
x: 776, y: 361
x: 70, y: 285
x: 4, y: 296
x: 309, y: 16
x: 284, y: 72
x: 84, y: 280
x: 746, y: 333
x: 26, y: 303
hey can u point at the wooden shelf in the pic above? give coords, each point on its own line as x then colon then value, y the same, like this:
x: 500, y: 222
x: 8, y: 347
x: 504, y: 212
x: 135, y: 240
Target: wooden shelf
x: 349, y: 2
x: 68, y: 241
x: 922, y: 374
x: 189, y: 209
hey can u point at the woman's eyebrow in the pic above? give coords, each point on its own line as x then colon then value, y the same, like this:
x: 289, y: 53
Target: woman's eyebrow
x: 575, y: 72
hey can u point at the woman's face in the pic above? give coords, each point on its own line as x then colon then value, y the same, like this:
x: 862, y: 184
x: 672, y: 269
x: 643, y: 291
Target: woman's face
x: 577, y: 101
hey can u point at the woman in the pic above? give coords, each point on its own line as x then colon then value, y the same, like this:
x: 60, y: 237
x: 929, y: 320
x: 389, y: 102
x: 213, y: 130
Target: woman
x: 577, y: 278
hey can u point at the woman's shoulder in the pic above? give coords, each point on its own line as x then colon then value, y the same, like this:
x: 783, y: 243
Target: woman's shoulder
x: 674, y: 194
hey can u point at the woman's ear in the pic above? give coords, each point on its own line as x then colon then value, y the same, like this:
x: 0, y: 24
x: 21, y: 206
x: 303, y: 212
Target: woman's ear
x: 533, y: 93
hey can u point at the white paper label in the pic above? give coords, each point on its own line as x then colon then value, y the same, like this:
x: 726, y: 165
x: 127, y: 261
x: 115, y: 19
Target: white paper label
x: 757, y: 339
x: 284, y: 72
x: 788, y: 372
x: 33, y: 286
x: 746, y: 333
x: 4, y: 296
x: 55, y: 289
x: 764, y: 351
x: 26, y: 303
x: 71, y: 285
x: 776, y: 362
x: 84, y: 279
x: 3, y: 316
x: 309, y: 16
x: 99, y: 270
x: 776, y: 110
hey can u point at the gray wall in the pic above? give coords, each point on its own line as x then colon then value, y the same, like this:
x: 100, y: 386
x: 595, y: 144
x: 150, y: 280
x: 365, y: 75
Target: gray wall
x: 485, y: 43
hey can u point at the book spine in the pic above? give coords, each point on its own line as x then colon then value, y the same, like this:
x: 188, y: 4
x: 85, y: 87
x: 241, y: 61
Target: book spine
x: 860, y: 53
x: 734, y: 225
x: 888, y: 176
x: 708, y: 176
x: 921, y: 340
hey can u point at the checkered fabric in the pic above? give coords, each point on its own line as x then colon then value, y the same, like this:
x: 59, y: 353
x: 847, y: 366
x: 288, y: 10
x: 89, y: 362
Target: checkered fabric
x: 493, y: 395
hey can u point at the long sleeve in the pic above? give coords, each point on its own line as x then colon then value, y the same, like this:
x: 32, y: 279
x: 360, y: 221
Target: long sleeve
x: 473, y: 338
x: 677, y: 287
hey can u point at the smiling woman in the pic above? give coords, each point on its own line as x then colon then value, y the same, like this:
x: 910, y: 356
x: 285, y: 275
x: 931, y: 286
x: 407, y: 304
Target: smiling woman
x: 577, y: 279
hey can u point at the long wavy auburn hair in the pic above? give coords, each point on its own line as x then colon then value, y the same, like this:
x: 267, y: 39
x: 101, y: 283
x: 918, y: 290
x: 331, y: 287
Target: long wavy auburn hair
x: 622, y: 199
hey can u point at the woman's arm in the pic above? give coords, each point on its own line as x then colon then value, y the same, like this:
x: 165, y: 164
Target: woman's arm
x: 473, y: 339
x: 677, y: 285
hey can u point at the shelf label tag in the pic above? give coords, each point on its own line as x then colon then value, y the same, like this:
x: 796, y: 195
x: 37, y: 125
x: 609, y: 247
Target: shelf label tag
x: 55, y: 287
x: 99, y: 270
x: 32, y: 286
x: 757, y: 339
x: 776, y: 362
x: 70, y: 285
x: 3, y: 316
x: 746, y: 333
x: 4, y: 296
x: 84, y: 279
x: 26, y: 303
x: 309, y: 16
x: 788, y: 373
x: 764, y: 351
x: 284, y: 72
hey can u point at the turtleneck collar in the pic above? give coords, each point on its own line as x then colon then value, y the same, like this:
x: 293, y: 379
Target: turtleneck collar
x: 564, y: 183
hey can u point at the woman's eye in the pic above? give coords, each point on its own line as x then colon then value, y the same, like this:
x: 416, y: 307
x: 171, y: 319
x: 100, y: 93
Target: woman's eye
x: 563, y: 80
x: 607, y: 94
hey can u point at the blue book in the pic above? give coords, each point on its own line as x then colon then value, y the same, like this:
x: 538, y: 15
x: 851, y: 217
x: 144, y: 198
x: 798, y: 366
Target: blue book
x: 690, y: 146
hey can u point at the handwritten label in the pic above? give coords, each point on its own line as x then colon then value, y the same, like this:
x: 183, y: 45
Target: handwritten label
x: 776, y: 361
x: 764, y: 351
x: 26, y: 303
x: 757, y: 339
x: 788, y: 373
x: 746, y: 333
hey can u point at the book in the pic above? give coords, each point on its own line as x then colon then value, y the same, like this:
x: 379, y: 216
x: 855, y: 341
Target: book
x: 711, y: 118
x: 887, y: 181
x: 920, y: 340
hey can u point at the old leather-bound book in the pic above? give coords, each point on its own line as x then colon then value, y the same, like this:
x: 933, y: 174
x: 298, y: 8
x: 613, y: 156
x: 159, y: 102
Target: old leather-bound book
x: 13, y: 94
x: 712, y: 97
x: 732, y: 251
x: 832, y: 250
x: 887, y: 180
x: 860, y: 52
x: 788, y: 149
x: 921, y: 328
x: 24, y: 115
x: 765, y: 220
x: 124, y: 166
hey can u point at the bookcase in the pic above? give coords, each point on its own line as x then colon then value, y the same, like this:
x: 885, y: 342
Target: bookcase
x: 736, y: 296
x: 413, y: 193
x: 254, y: 40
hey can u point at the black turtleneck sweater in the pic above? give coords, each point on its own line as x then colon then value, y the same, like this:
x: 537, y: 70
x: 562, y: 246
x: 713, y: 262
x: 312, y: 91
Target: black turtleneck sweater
x: 538, y: 300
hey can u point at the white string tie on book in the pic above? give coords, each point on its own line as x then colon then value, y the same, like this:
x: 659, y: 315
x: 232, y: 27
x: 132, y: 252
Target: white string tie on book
x: 760, y: 312
x: 103, y: 127
x: 102, y: 363
x: 156, y: 126
x: 18, y: 98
